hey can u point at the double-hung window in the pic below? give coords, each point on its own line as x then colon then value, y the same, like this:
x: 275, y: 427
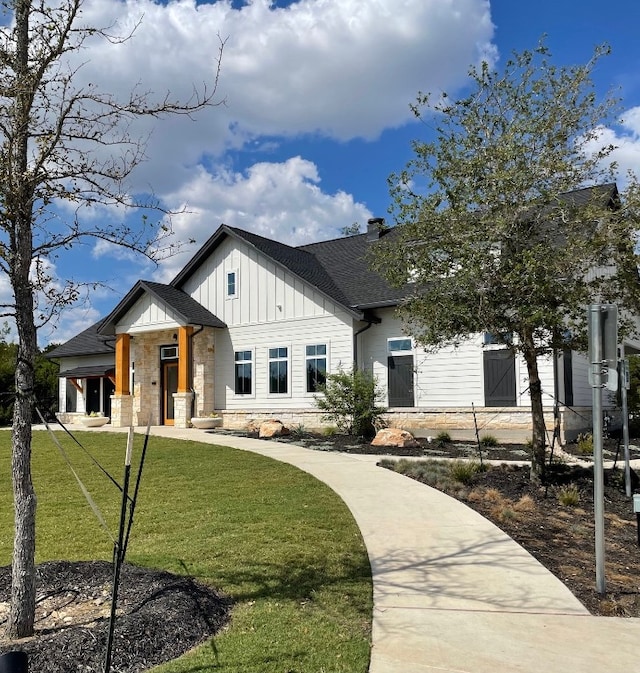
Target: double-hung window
x: 243, y: 372
x: 316, y: 357
x: 279, y: 371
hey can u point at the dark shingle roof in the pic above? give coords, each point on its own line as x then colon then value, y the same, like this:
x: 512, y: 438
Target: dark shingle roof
x: 337, y: 268
x: 88, y: 342
x: 299, y: 261
x: 188, y: 309
x: 346, y: 261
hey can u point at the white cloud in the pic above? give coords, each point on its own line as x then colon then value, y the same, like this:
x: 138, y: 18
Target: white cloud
x: 282, y: 201
x: 625, y: 138
x: 339, y: 68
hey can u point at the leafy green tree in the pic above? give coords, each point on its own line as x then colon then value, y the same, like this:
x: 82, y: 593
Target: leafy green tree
x: 8, y: 353
x: 350, y: 229
x: 633, y: 394
x: 61, y: 143
x: 490, y: 238
x: 350, y: 400
x: 45, y: 381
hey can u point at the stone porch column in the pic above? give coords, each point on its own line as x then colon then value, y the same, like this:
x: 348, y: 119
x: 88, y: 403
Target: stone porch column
x: 182, y: 409
x: 121, y: 411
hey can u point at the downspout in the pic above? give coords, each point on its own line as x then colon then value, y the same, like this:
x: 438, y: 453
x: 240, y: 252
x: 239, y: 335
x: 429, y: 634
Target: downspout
x: 355, y: 341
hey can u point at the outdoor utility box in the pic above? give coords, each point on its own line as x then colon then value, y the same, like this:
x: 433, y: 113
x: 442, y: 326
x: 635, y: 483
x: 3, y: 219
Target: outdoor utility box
x: 636, y: 503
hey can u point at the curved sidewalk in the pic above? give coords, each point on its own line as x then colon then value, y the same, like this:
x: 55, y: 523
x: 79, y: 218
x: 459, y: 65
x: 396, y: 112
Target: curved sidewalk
x: 452, y: 593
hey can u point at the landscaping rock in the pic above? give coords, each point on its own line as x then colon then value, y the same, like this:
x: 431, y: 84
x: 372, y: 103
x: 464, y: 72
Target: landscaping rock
x: 272, y: 429
x: 394, y: 437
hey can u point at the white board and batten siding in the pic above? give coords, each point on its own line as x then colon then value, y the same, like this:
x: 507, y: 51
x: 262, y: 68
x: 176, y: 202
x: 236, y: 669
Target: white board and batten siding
x: 265, y: 292
x: 146, y: 315
x: 272, y: 308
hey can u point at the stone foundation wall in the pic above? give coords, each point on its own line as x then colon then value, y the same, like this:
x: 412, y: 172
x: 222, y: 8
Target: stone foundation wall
x: 503, y: 422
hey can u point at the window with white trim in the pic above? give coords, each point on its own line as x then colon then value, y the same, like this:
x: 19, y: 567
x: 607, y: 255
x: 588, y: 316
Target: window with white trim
x: 232, y: 284
x: 243, y: 372
x: 399, y: 346
x: 279, y: 371
x: 316, y: 361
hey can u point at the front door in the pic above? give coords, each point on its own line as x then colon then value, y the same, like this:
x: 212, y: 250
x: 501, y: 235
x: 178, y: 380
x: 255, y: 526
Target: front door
x: 400, y: 380
x: 169, y: 387
x: 92, y: 403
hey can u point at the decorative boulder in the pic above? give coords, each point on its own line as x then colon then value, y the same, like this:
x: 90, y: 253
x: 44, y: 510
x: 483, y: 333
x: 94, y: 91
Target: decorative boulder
x: 394, y: 437
x: 272, y: 429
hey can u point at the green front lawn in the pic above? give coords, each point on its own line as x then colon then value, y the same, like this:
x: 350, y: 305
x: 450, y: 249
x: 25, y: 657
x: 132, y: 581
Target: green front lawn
x: 281, y: 543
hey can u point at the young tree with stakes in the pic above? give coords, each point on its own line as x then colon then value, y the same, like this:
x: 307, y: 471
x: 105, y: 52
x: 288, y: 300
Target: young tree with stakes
x: 61, y: 142
x: 489, y: 237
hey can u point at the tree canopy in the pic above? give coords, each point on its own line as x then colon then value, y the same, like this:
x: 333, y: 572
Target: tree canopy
x: 509, y: 220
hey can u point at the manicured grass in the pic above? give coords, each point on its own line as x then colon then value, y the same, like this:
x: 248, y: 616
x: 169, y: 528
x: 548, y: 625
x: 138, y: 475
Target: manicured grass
x: 282, y: 544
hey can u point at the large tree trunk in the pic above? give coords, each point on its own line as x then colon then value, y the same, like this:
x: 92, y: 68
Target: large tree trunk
x: 19, y: 208
x: 23, y: 589
x: 538, y: 458
x: 23, y: 578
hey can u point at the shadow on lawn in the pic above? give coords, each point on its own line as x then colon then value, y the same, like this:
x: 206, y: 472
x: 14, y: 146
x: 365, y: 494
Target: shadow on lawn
x: 298, y: 579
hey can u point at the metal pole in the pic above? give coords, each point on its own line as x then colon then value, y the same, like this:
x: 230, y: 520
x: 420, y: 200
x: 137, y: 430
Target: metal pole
x: 595, y: 323
x: 625, y: 426
x: 118, y: 556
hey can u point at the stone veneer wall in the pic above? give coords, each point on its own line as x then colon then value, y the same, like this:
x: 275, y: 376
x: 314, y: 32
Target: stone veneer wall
x: 203, y: 350
x: 514, y: 421
x: 147, y: 388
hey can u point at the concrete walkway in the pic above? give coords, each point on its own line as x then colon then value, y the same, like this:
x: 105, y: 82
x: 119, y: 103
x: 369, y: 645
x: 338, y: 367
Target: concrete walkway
x: 453, y: 593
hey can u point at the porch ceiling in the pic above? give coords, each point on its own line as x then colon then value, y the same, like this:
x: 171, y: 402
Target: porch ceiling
x: 87, y: 372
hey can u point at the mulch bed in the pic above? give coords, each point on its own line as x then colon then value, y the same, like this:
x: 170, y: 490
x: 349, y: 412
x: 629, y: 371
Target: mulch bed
x: 160, y: 616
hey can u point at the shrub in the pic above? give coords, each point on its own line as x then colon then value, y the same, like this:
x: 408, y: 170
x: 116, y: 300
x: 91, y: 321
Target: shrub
x: 329, y: 430
x: 525, y: 504
x: 463, y: 471
x: 443, y: 437
x: 350, y: 400
x: 488, y: 440
x: 569, y: 495
x: 298, y: 431
x: 584, y: 445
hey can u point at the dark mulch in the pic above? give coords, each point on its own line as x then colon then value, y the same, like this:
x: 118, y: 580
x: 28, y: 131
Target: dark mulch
x: 160, y: 616
x: 562, y: 537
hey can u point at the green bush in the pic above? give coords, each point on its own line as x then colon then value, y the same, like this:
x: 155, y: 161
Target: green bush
x: 569, y: 495
x: 443, y: 437
x: 488, y: 440
x: 349, y: 399
x: 298, y: 431
x: 584, y: 445
x: 463, y: 471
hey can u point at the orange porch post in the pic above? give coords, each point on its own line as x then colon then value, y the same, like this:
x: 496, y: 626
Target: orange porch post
x: 184, y: 358
x: 123, y: 347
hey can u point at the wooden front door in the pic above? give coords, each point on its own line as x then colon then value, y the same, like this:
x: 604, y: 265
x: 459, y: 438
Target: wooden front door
x: 169, y: 387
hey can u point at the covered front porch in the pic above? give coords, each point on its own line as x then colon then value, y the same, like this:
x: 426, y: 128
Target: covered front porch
x: 164, y: 352
x: 163, y: 377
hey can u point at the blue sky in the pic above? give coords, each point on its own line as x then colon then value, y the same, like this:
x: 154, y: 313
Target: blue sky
x: 317, y: 107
